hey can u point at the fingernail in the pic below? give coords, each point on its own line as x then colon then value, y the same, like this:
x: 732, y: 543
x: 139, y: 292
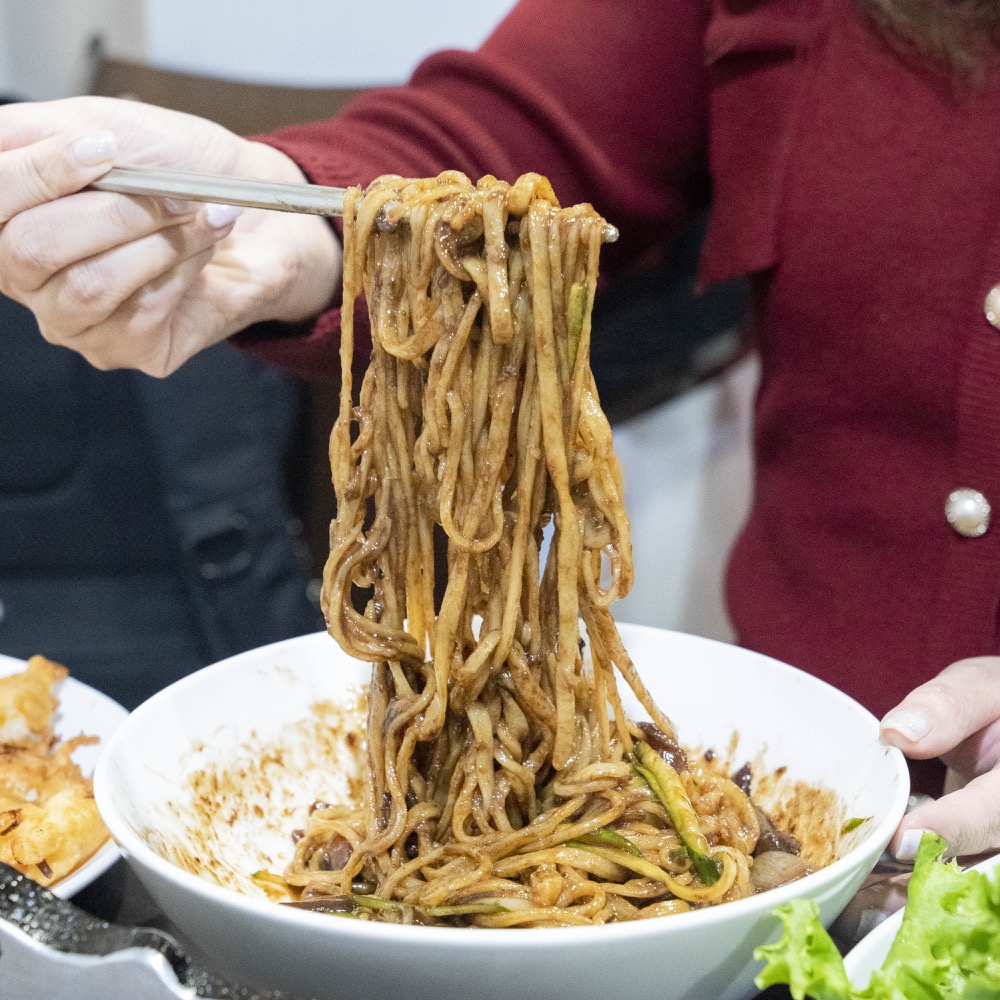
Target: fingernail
x: 908, y: 722
x: 95, y: 148
x: 220, y: 216
x: 908, y: 844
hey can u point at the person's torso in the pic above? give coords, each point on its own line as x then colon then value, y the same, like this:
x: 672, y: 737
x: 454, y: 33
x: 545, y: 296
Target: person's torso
x: 862, y: 194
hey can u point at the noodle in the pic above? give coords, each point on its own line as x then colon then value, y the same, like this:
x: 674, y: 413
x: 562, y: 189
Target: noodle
x: 503, y: 785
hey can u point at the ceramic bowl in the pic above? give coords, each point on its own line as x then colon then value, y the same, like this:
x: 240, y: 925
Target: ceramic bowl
x: 204, y: 783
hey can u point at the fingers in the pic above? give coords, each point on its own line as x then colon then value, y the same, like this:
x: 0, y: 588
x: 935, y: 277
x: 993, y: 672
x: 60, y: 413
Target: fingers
x: 121, y: 308
x: 968, y: 819
x: 955, y: 716
x: 51, y: 168
x: 935, y: 717
x: 23, y: 123
x: 130, y: 282
x: 155, y: 330
x: 42, y: 241
x: 88, y: 292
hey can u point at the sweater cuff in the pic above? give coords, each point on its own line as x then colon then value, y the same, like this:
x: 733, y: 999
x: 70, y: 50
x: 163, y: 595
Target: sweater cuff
x: 311, y: 349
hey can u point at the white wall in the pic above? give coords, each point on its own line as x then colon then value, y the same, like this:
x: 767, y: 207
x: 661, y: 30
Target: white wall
x: 687, y: 470
x: 6, y: 63
x: 312, y: 42
x: 44, y: 43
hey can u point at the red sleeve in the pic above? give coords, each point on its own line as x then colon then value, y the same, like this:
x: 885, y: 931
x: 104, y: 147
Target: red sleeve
x: 606, y: 98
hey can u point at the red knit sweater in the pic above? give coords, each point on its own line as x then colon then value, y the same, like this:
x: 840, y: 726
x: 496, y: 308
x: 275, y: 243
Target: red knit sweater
x: 862, y: 196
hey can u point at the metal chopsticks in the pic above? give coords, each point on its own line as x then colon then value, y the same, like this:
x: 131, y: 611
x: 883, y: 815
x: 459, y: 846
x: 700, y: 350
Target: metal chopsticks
x: 311, y: 199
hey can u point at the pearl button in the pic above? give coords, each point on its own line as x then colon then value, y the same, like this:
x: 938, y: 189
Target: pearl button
x: 992, y: 306
x: 968, y: 512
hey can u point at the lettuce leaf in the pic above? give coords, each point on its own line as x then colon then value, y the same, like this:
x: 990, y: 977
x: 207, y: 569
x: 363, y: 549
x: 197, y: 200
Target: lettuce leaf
x: 947, y: 947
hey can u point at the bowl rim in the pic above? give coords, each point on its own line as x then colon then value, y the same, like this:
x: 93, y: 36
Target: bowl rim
x: 133, y: 846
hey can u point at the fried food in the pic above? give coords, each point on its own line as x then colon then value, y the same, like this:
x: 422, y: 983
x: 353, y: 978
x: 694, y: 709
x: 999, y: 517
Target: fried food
x: 49, y: 823
x: 28, y: 702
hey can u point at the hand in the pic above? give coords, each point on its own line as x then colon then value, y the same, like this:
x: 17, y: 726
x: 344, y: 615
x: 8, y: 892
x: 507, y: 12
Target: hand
x: 143, y: 282
x: 956, y: 717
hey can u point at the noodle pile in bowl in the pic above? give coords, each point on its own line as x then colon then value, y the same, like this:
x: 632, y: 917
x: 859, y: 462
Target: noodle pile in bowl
x: 506, y: 786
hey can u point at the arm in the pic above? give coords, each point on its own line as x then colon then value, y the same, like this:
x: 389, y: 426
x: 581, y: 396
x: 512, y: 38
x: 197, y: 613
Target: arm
x: 608, y: 100
x: 604, y: 98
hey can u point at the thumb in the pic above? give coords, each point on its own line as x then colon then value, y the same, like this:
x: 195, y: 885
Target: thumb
x: 968, y: 819
x: 935, y: 717
x: 53, y: 167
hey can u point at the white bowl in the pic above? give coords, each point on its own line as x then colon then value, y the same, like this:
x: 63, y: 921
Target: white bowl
x: 213, y: 773
x: 82, y: 709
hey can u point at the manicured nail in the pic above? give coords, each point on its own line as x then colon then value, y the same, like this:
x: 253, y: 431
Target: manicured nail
x: 98, y: 147
x: 908, y: 845
x: 220, y: 216
x: 908, y: 722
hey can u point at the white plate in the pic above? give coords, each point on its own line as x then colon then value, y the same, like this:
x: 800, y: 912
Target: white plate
x: 81, y: 710
x: 869, y: 953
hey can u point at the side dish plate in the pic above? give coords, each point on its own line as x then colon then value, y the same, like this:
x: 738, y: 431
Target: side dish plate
x: 82, y: 709
x: 869, y: 953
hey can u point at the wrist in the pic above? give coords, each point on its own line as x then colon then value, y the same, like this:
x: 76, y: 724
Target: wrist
x: 264, y: 162
x: 303, y: 270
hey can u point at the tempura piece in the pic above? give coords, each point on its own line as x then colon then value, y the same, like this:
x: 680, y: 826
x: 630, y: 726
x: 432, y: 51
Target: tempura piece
x: 28, y: 702
x: 49, y: 823
x: 48, y: 839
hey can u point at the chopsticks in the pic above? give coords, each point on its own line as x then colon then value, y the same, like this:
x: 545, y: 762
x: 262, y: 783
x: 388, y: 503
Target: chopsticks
x: 310, y: 199
x: 278, y: 196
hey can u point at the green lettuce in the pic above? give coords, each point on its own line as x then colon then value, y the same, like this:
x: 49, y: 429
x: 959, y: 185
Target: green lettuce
x: 947, y: 946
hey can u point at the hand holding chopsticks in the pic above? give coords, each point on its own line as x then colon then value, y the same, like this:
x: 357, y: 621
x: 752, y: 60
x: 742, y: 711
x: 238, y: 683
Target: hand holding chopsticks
x: 146, y: 282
